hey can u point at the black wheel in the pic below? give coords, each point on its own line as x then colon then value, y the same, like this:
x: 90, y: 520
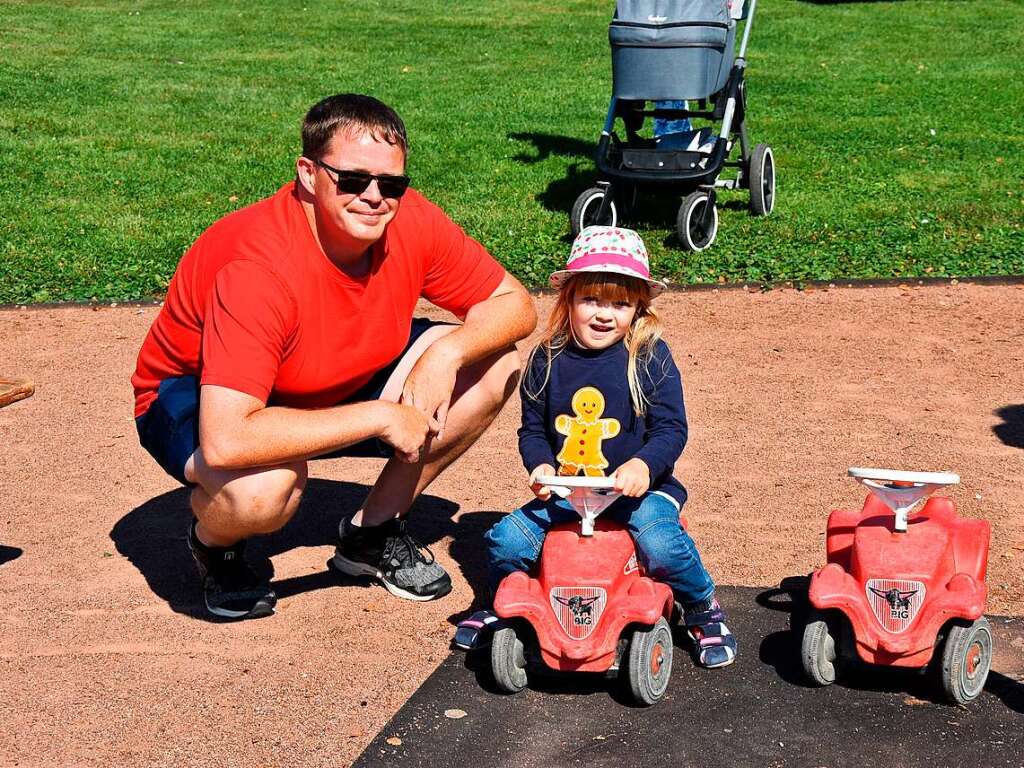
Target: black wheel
x: 649, y: 665
x: 819, y: 650
x: 508, y: 660
x: 966, y: 660
x: 762, y: 180
x: 693, y: 233
x: 586, y: 210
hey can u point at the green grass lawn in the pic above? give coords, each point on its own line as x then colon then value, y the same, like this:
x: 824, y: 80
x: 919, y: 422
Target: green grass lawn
x: 126, y: 128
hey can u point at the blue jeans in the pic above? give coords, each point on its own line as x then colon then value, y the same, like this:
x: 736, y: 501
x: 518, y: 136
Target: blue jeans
x: 663, y: 547
x: 663, y: 126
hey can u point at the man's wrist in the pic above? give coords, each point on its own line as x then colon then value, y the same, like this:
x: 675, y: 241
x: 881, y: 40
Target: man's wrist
x: 382, y: 414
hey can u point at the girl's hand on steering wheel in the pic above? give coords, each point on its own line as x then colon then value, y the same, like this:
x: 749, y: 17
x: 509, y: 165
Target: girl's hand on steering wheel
x: 542, y: 492
x: 633, y: 478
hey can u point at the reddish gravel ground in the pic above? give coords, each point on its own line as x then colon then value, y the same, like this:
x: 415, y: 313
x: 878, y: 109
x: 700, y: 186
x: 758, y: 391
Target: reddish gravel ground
x: 104, y: 656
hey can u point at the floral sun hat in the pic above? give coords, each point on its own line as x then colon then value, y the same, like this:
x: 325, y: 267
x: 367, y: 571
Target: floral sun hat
x: 608, y: 249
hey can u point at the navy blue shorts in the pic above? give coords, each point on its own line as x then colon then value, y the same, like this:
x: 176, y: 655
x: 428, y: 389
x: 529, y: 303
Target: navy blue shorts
x: 169, y: 430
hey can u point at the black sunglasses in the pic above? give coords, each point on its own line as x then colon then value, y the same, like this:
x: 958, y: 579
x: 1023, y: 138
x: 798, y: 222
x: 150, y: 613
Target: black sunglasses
x: 356, y: 182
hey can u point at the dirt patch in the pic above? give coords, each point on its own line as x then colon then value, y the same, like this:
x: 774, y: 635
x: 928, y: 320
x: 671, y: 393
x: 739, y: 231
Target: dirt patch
x: 103, y: 658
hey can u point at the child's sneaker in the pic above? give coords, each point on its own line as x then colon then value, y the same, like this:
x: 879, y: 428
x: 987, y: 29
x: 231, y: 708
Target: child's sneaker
x: 713, y: 643
x: 476, y: 631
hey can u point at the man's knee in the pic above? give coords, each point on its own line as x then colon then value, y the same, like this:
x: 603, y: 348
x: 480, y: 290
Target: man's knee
x: 496, y: 375
x: 262, y: 501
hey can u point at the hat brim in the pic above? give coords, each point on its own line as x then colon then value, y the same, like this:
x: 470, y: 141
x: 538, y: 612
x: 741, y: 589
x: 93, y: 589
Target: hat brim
x: 560, y: 276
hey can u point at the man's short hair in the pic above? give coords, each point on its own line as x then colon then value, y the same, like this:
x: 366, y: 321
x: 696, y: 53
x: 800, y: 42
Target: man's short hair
x: 350, y: 111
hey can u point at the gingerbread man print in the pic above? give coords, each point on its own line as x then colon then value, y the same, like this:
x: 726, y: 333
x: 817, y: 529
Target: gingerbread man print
x: 584, y: 433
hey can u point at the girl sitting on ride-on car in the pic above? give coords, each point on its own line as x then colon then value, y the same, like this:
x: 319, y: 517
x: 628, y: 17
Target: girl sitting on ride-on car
x: 601, y: 391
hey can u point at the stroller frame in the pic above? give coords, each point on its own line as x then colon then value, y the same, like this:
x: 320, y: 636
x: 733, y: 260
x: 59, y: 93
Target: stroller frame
x: 625, y: 166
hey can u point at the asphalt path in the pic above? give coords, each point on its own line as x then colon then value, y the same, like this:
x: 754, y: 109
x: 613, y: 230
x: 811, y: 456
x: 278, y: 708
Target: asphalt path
x: 758, y: 712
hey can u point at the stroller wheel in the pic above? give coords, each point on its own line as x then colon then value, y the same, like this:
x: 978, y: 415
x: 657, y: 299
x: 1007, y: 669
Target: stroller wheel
x: 762, y: 180
x: 695, y: 225
x: 587, y: 209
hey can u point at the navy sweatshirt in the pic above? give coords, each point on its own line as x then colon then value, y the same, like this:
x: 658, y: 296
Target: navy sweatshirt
x: 583, y: 421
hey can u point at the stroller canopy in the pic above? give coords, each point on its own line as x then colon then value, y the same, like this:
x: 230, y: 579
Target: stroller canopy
x: 671, y: 49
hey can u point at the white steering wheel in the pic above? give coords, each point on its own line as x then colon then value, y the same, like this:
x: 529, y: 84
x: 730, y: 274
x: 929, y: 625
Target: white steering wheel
x: 900, y: 490
x: 589, y: 496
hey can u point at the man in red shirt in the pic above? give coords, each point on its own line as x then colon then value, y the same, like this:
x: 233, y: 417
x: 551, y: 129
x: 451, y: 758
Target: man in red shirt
x: 287, y: 334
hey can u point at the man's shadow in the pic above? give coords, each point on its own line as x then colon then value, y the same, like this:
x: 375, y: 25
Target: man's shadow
x: 154, y: 535
x: 1011, y: 431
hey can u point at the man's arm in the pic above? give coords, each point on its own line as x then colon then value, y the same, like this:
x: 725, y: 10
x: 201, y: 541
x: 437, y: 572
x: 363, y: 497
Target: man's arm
x: 494, y: 324
x: 237, y: 430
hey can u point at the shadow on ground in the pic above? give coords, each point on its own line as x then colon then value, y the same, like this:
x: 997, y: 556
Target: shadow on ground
x: 469, y: 551
x: 1011, y: 431
x: 646, y: 210
x: 9, y: 553
x: 153, y: 537
x: 757, y: 712
x: 560, y: 194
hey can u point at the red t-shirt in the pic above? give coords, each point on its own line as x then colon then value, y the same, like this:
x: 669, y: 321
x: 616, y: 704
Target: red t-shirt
x: 257, y: 307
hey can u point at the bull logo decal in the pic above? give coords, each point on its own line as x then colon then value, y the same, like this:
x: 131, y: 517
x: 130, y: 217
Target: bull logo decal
x: 898, y: 600
x: 895, y: 602
x: 582, y: 608
x: 578, y: 609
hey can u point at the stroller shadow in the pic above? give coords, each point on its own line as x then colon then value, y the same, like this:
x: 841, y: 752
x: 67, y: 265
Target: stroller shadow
x: 9, y: 553
x: 550, y: 145
x: 1011, y: 431
x: 654, y: 210
x: 153, y: 537
x: 560, y: 194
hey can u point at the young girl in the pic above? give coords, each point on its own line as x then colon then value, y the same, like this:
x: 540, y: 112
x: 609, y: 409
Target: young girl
x: 602, y: 395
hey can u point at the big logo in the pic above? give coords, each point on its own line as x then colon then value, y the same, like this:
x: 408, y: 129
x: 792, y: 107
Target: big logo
x: 578, y: 609
x: 895, y: 602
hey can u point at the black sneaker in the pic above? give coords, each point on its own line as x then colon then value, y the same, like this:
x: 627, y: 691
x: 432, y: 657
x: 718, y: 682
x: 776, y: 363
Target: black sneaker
x: 392, y: 556
x: 230, y: 587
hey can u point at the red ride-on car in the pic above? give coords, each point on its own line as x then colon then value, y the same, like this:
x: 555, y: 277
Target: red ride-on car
x: 589, y: 608
x: 902, y: 589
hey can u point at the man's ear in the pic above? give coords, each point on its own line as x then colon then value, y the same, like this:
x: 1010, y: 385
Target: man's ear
x: 305, y: 170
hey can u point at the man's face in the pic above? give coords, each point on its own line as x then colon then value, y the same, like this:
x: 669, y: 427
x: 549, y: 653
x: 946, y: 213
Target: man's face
x: 360, y: 217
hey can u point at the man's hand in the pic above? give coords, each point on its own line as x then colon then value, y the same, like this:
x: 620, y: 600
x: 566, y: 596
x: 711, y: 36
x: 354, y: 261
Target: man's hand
x: 405, y: 429
x: 633, y: 478
x: 542, y: 492
x: 428, y: 387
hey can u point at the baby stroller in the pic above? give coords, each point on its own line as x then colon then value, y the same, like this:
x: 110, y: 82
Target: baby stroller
x: 678, y: 53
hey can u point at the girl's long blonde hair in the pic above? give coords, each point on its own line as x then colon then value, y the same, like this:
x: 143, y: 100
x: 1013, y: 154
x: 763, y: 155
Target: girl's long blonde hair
x: 640, y: 339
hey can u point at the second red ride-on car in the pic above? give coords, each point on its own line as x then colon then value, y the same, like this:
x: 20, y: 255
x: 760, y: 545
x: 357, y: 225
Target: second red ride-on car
x: 902, y: 590
x: 589, y: 608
